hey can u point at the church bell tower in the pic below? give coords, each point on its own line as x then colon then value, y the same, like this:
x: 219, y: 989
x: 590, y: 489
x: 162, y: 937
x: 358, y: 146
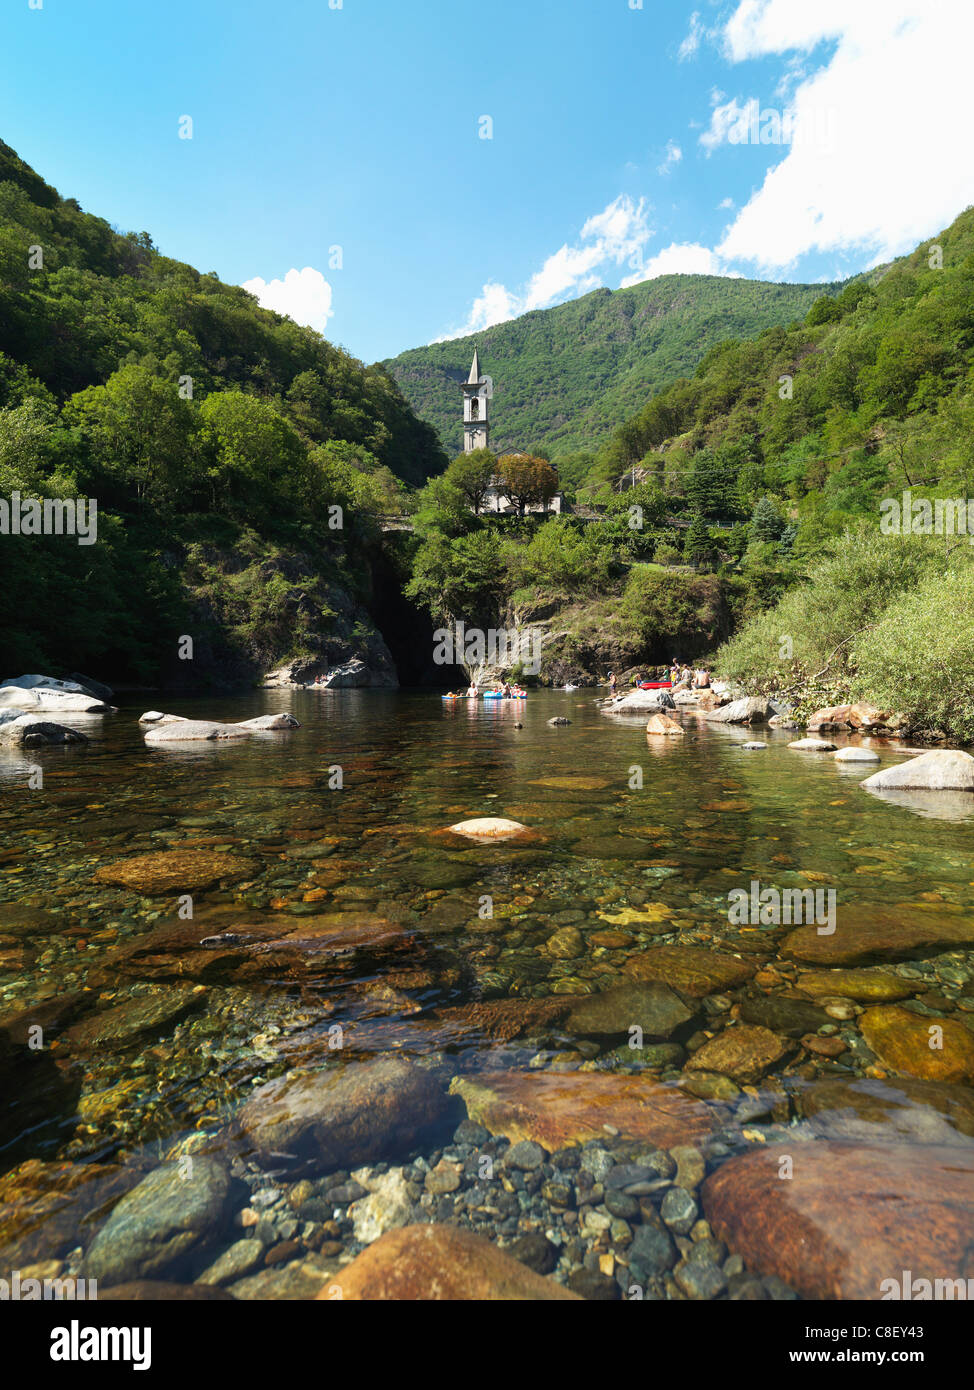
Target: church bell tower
x: 476, y: 405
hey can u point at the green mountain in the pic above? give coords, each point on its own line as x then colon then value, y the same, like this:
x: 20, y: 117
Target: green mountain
x: 239, y: 463
x: 565, y: 377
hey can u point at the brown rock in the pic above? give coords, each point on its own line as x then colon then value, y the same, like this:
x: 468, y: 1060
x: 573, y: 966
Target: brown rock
x: 175, y: 871
x: 556, y: 1109
x: 933, y: 1049
x: 866, y: 934
x: 743, y: 1053
x: 346, y: 1116
x: 504, y: 1019
x: 662, y: 724
x: 851, y: 1216
x: 690, y: 970
x: 652, y: 1007
x: 439, y: 1264
x: 847, y: 717
x: 878, y: 985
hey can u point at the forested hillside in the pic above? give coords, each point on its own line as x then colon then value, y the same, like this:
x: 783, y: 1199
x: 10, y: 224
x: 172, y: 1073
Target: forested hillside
x: 565, y: 377
x: 236, y: 458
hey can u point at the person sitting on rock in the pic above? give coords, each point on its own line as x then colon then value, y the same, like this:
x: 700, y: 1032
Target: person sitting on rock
x: 701, y: 678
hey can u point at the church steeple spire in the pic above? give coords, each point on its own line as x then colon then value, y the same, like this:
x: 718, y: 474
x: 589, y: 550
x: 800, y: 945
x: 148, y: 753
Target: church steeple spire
x: 476, y: 407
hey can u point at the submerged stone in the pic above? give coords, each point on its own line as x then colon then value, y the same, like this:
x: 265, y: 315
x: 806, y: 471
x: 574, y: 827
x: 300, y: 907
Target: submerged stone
x: 557, y: 1109
x: 439, y: 1263
x: 851, y: 1218
x: 354, y: 1114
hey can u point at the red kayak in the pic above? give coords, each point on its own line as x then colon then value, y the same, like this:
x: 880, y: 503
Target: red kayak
x: 655, y: 685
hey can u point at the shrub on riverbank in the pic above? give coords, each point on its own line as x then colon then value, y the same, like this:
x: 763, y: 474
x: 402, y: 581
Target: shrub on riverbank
x: 881, y: 618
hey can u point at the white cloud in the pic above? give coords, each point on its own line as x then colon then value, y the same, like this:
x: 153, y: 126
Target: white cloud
x: 672, y: 157
x: 613, y: 236
x: 690, y: 45
x: 724, y: 204
x: 885, y: 160
x: 303, y: 295
x: 681, y: 258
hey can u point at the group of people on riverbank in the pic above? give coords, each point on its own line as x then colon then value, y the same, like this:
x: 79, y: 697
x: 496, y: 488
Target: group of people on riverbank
x: 676, y: 673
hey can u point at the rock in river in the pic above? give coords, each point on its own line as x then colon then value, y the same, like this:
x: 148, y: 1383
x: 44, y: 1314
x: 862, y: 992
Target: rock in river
x: 144, y: 1015
x: 753, y: 709
x: 933, y: 1049
x: 663, y: 724
x: 690, y: 969
x: 175, y: 871
x: 743, y: 1053
x: 439, y: 1264
x: 865, y: 934
x: 556, y: 1109
x: 489, y: 828
x: 943, y: 769
x: 611, y: 1015
x: 344, y: 1116
x: 174, y: 1212
x: 850, y: 1217
x: 20, y: 729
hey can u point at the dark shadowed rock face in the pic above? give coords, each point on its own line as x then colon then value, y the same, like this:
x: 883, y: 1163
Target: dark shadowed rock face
x: 436, y: 1264
x: 903, y: 1207
x: 343, y: 1117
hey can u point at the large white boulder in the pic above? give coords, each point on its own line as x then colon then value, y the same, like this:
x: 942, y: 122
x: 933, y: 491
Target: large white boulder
x: 174, y: 728
x: 856, y: 755
x: 42, y: 697
x: 192, y: 731
x: 942, y: 769
x: 752, y: 709
x: 639, y: 701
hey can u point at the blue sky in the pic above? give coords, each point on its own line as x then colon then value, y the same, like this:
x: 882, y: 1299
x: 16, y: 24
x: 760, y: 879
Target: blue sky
x: 626, y: 141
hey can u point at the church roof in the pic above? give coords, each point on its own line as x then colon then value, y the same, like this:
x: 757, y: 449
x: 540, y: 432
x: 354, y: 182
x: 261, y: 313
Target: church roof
x: 474, y: 376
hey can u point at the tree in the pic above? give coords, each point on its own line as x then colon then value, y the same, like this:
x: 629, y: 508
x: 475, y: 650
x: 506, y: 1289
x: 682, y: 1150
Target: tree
x: 527, y: 479
x: 141, y: 432
x: 767, y: 523
x: 255, y: 453
x: 472, y: 474
x: 698, y: 546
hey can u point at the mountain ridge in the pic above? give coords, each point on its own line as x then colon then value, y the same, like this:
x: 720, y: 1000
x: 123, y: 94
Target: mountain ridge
x: 566, y: 376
